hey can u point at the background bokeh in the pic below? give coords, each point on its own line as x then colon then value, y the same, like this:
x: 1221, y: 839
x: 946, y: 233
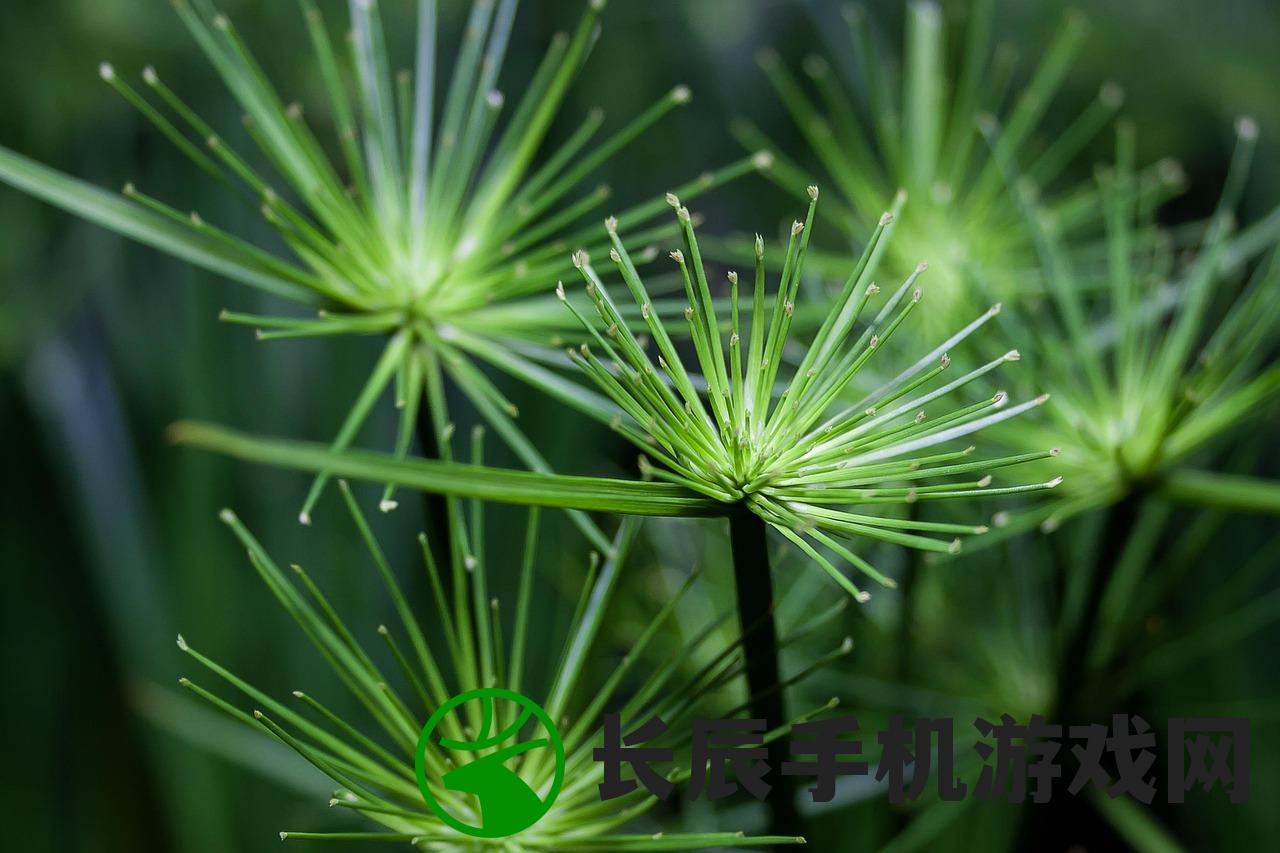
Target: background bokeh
x: 109, y: 542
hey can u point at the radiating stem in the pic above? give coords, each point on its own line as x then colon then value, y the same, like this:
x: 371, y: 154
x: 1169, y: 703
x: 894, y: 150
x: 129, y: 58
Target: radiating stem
x: 754, y: 583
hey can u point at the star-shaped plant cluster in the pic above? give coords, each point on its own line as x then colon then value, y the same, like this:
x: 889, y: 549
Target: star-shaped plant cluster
x: 747, y: 429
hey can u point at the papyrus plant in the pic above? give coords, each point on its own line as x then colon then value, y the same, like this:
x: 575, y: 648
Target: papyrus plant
x: 432, y: 227
x: 1175, y: 353
x: 780, y: 442
x: 910, y: 123
x: 1153, y: 373
x: 741, y: 437
x: 473, y: 640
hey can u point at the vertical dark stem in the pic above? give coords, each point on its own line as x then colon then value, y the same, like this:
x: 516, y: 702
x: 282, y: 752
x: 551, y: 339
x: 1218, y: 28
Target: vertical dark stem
x: 1073, y: 679
x: 754, y: 583
x: 1067, y: 823
x: 436, y: 518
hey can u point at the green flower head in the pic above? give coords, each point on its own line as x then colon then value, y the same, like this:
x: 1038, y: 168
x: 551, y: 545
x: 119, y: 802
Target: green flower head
x: 783, y: 439
x: 418, y: 723
x: 1169, y: 356
x: 913, y: 125
x: 436, y: 226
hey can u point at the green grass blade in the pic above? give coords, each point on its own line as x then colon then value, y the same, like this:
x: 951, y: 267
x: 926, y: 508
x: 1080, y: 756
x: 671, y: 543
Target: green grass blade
x: 596, y: 494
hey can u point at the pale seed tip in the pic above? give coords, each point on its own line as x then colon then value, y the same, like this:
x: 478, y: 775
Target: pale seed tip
x: 796, y: 228
x: 1170, y: 171
x: 995, y: 309
x: 813, y: 192
x: 227, y: 516
x: 1056, y: 451
x: 1013, y: 355
x: 560, y: 291
x: 149, y: 75
x: 886, y: 218
x: 984, y: 482
x: 732, y: 275
x: 921, y: 267
x: 1111, y: 94
x: 182, y: 643
x: 107, y: 71
x: 681, y: 94
x: 1055, y: 482
x: 762, y: 160
x: 388, y: 505
x: 954, y: 547
x: 673, y: 200
x: 611, y: 224
x: 815, y: 66
x: 1042, y: 399
x: 1247, y: 128
x: 304, y: 518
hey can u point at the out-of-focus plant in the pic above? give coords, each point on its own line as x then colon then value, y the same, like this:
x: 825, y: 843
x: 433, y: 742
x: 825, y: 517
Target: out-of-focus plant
x: 1158, y: 368
x: 917, y: 131
x: 1152, y: 374
x: 434, y: 228
x: 480, y: 646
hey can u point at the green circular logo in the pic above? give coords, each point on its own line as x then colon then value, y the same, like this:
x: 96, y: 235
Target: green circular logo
x: 489, y: 727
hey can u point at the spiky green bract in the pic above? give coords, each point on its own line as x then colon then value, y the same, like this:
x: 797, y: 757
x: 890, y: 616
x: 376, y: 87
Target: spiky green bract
x: 781, y: 442
x: 468, y: 640
x: 1171, y: 357
x: 434, y: 227
x: 917, y: 130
